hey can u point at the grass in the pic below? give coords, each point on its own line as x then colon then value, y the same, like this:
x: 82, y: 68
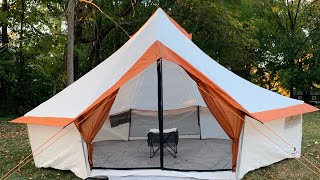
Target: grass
x: 14, y: 146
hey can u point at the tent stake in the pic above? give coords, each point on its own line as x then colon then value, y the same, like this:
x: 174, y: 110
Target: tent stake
x: 160, y: 108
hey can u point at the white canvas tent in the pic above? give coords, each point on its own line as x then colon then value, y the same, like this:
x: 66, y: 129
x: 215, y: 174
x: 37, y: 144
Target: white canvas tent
x: 223, y: 120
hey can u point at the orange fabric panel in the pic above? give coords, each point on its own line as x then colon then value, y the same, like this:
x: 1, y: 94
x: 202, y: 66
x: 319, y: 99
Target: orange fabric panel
x: 180, y: 28
x: 227, y: 119
x: 170, y: 55
x: 214, y: 96
x: 151, y: 55
x: 226, y: 115
x: 46, y: 121
x: 270, y: 115
x: 94, y: 120
x: 96, y: 114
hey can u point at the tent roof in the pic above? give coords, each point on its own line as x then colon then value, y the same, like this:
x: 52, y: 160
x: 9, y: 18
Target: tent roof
x: 261, y: 103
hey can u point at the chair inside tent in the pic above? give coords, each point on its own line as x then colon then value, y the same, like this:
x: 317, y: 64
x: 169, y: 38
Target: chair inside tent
x: 123, y: 141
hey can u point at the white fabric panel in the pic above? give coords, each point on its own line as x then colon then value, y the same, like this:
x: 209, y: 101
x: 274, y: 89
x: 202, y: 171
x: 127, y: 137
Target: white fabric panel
x: 142, y: 122
x: 185, y: 120
x: 67, y: 153
x: 258, y: 151
x: 210, y: 128
x: 180, y: 90
x: 237, y: 87
x: 77, y: 97
x: 146, y: 95
x: 107, y: 132
x: 161, y: 174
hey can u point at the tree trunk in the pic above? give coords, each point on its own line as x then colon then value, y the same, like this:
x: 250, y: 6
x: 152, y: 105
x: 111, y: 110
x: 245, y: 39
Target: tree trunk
x: 306, y: 96
x: 70, y: 46
x: 4, y: 101
x: 4, y: 25
x: 21, y: 66
x: 76, y: 66
x: 291, y: 91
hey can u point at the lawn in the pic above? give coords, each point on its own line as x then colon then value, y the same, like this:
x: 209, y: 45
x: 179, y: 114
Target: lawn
x: 15, y: 146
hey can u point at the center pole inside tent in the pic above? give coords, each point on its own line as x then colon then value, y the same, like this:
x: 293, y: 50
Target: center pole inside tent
x: 160, y: 108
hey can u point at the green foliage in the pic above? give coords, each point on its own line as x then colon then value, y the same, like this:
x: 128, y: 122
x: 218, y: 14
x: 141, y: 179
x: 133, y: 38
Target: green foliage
x: 288, y: 36
x: 31, y: 64
x: 257, y: 40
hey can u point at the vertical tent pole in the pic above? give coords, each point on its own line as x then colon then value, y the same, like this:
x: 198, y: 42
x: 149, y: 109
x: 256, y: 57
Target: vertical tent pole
x: 160, y: 108
x: 198, y: 114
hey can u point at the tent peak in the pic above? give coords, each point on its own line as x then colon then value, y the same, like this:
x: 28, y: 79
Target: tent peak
x: 162, y: 14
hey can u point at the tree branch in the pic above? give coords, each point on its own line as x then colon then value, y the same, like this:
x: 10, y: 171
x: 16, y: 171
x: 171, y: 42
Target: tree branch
x: 128, y: 9
x: 297, y: 11
x: 289, y: 14
x: 279, y: 22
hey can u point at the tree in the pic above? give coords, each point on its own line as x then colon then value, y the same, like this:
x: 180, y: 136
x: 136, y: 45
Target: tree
x: 271, y: 43
x: 70, y: 46
x: 288, y: 34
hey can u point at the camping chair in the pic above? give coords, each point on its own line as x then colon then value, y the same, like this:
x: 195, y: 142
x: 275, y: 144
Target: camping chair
x: 170, y: 141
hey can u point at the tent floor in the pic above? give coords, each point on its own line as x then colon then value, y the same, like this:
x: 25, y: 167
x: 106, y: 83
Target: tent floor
x: 159, y: 175
x: 193, y: 154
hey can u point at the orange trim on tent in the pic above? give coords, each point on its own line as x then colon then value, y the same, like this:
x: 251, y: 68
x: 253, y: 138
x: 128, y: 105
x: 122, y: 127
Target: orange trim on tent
x: 93, y: 123
x: 150, y: 56
x: 46, y: 121
x: 170, y: 55
x: 94, y: 120
x: 183, y: 31
x: 231, y: 123
x: 180, y: 28
x: 270, y: 115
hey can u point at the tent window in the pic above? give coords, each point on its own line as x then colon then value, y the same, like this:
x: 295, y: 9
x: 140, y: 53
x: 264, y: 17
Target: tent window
x: 120, y: 118
x: 291, y: 122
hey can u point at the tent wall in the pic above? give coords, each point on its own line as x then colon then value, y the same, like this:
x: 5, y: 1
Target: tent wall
x: 67, y: 153
x: 210, y: 128
x: 259, y: 151
x: 140, y: 93
x: 107, y: 132
x: 180, y: 91
x: 185, y: 120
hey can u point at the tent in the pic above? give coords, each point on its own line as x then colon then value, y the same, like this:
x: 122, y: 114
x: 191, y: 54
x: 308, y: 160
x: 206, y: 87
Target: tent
x: 161, y: 80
